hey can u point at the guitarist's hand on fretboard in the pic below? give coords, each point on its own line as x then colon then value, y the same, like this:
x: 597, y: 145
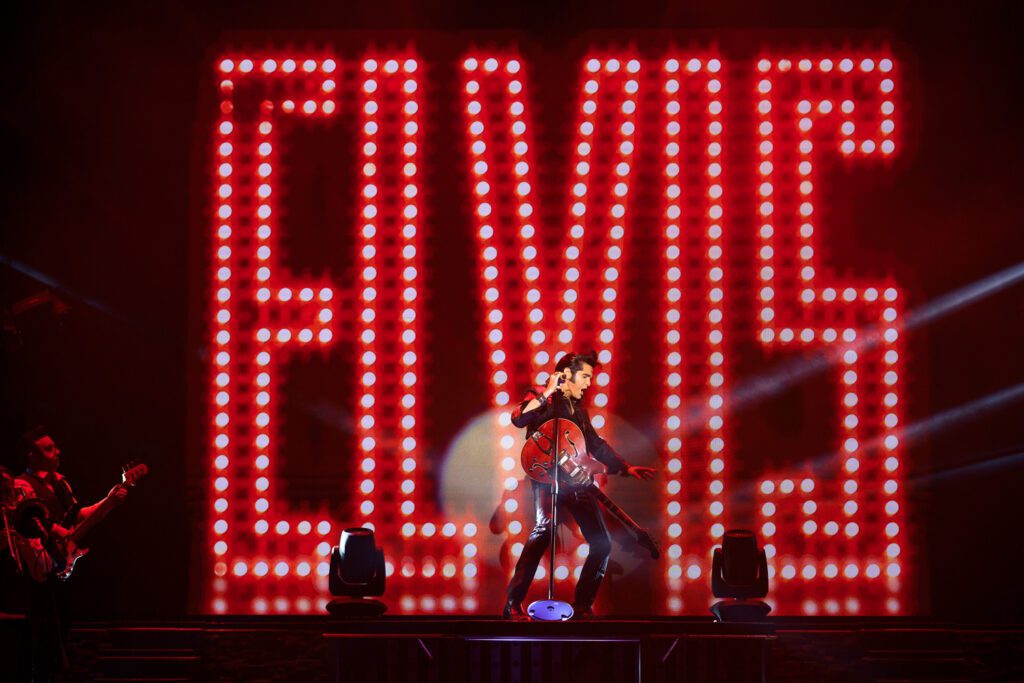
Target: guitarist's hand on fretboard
x: 118, y: 493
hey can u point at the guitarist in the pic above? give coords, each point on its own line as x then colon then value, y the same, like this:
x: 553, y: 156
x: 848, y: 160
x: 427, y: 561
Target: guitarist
x: 47, y: 608
x: 42, y: 480
x: 562, y: 398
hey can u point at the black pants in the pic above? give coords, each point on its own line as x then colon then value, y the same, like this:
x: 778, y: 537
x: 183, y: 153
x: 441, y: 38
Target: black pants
x: 49, y: 628
x: 587, y: 513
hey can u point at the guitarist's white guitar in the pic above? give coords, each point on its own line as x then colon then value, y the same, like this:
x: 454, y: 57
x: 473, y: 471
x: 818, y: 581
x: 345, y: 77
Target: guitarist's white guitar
x: 69, y: 548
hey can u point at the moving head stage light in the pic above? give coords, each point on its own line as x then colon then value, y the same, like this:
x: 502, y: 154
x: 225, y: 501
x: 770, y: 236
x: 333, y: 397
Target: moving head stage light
x: 739, y: 572
x: 357, y: 571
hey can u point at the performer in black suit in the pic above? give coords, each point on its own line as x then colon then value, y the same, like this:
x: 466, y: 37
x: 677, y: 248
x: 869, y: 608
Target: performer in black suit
x: 562, y: 398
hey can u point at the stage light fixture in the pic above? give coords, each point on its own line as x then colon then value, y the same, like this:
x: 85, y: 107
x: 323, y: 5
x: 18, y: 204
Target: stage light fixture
x: 357, y: 571
x: 739, y: 573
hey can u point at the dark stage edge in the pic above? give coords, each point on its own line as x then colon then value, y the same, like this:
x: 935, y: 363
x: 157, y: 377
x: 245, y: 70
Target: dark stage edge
x: 457, y: 649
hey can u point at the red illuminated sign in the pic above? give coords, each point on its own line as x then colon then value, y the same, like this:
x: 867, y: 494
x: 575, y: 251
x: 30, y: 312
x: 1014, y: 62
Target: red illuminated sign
x: 834, y: 544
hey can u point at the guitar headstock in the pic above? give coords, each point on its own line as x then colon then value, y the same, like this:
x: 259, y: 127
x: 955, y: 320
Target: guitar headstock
x: 131, y: 473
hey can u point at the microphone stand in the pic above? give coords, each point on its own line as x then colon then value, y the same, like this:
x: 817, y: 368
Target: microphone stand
x: 551, y: 609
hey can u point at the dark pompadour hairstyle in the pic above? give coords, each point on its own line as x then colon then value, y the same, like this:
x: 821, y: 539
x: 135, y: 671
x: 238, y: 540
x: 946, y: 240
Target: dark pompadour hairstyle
x: 575, y: 361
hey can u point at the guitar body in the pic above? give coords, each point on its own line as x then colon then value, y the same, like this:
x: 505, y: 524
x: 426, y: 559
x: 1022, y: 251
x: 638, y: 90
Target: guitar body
x: 576, y: 468
x: 72, y: 554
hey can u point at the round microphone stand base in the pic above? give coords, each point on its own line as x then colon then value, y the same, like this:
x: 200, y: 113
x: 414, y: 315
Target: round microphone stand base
x: 549, y: 610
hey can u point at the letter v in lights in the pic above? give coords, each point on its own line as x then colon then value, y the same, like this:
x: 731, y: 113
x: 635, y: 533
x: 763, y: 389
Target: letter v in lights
x: 533, y: 315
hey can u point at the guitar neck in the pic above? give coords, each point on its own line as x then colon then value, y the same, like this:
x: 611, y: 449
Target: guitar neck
x: 616, y: 511
x: 95, y: 518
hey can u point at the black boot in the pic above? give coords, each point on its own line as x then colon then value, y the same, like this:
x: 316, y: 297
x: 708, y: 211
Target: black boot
x: 513, y: 610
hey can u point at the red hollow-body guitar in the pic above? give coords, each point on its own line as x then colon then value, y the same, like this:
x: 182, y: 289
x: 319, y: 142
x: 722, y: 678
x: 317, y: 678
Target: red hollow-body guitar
x: 577, y: 468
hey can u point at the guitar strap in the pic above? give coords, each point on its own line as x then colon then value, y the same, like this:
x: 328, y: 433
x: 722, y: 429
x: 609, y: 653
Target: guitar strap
x: 73, y: 505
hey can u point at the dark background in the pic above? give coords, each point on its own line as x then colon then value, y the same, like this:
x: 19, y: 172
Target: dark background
x: 104, y: 131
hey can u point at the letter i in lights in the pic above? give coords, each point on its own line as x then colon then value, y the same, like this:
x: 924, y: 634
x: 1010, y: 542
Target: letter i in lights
x: 586, y: 310
x: 265, y: 557
x: 693, y: 345
x: 834, y: 545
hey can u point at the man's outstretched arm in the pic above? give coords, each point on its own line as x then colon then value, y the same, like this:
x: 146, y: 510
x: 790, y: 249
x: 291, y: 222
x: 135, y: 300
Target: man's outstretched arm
x: 602, y: 450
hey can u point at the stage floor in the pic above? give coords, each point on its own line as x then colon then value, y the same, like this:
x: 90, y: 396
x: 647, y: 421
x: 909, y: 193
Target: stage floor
x: 460, y: 649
